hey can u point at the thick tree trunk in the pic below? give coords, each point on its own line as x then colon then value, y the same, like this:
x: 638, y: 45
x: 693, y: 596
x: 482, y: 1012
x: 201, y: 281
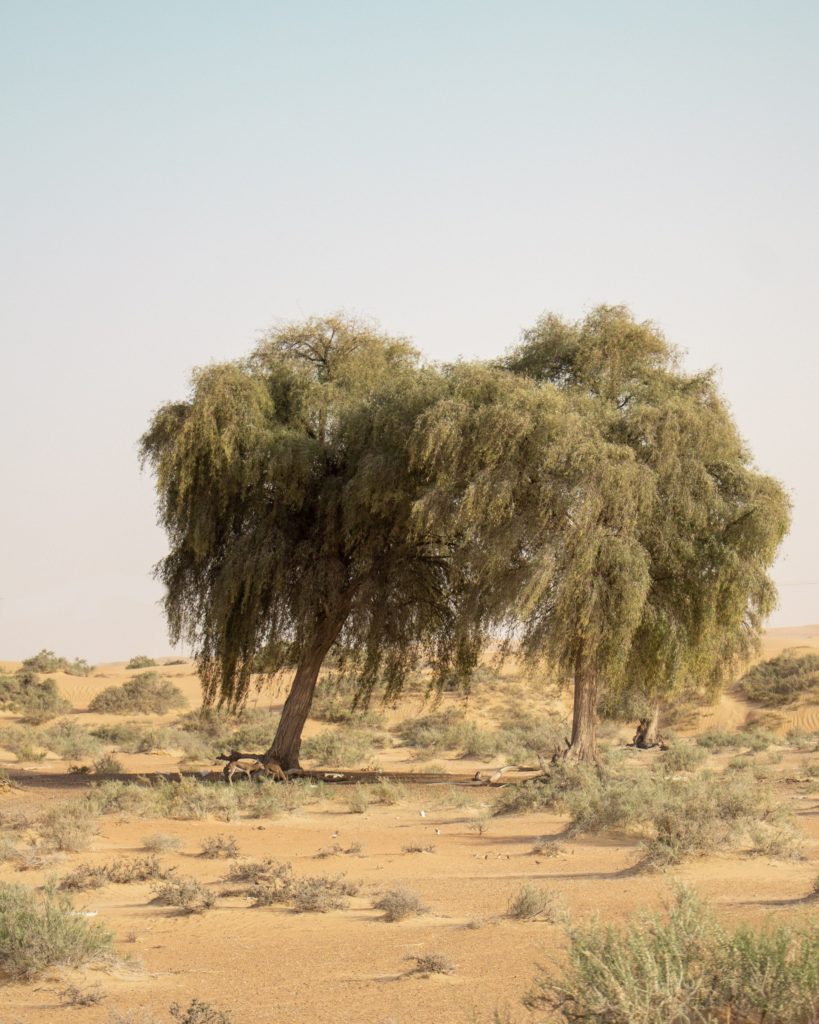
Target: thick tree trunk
x: 287, y: 742
x: 653, y: 730
x: 583, y: 746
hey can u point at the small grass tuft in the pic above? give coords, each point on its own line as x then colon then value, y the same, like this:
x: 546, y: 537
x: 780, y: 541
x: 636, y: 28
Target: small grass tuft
x: 531, y: 903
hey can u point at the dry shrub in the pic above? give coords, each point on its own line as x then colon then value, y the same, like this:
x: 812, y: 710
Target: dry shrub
x: 118, y: 872
x: 430, y: 963
x: 160, y: 842
x: 220, y: 846
x: 68, y: 826
x: 199, y: 1013
x: 532, y: 903
x: 187, y: 894
x: 400, y: 903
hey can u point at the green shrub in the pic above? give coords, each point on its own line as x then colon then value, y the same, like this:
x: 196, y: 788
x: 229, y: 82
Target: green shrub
x: 683, y: 968
x: 146, y: 694
x: 23, y: 741
x: 779, y: 840
x: 532, y: 903
x: 546, y: 793
x: 702, y: 815
x: 339, y: 748
x: 41, y: 930
x: 436, y: 732
x: 47, y: 661
x: 525, y: 737
x: 141, y: 661
x: 387, y: 792
x: 35, y: 700
x: 781, y: 680
x: 400, y: 903
x: 682, y: 757
x: 136, y: 738
x: 69, y: 740
x: 335, y: 704
x: 755, y: 739
x: 716, y: 740
x: 359, y: 799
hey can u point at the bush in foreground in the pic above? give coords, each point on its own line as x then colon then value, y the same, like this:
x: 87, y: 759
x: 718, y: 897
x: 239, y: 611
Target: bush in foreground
x: 683, y: 968
x: 40, y: 930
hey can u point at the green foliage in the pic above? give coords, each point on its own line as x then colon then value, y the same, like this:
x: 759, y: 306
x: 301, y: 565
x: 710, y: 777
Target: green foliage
x: 69, y: 740
x: 549, y: 793
x: 682, y: 968
x: 47, y: 661
x: 147, y: 694
x: 41, y: 930
x: 36, y: 700
x: 781, y: 680
x: 716, y: 740
x: 359, y: 800
x: 681, y: 757
x: 287, y: 490
x: 136, y: 738
x: 141, y: 661
x: 339, y: 748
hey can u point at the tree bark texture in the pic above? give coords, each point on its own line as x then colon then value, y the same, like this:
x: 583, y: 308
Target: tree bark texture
x: 583, y: 746
x: 287, y: 742
x: 653, y: 730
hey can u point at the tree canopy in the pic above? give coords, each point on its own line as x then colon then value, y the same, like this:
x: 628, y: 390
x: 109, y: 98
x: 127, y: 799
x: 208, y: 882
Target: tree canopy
x: 715, y: 523
x: 582, y: 497
x: 287, y: 492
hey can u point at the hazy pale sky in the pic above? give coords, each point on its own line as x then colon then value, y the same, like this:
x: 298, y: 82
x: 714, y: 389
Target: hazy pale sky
x: 176, y: 176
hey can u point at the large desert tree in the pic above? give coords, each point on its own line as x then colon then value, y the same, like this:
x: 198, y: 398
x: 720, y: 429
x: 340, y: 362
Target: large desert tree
x: 287, y: 491
x: 548, y: 514
x: 714, y: 525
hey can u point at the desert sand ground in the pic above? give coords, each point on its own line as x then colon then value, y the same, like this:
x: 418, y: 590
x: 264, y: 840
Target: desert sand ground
x: 265, y: 964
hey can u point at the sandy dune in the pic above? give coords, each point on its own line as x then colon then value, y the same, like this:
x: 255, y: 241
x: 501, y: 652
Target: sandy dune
x: 270, y: 964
